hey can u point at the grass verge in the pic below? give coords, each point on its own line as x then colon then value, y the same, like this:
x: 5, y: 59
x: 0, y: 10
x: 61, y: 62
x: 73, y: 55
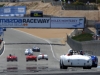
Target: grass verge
x: 1, y: 5
x: 83, y: 37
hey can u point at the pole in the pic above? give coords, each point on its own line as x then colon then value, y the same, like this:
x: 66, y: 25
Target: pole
x: 98, y: 14
x: 96, y: 1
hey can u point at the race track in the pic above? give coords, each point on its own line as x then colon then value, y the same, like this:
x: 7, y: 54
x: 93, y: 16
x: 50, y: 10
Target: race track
x: 16, y: 42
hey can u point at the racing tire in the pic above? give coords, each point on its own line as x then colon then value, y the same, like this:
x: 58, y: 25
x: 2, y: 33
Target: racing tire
x: 63, y: 66
x: 60, y: 65
x: 95, y: 65
x: 7, y: 60
x: 39, y: 50
x: 26, y: 60
x: 47, y: 59
x: 36, y: 60
x: 87, y: 67
x: 33, y: 50
x: 16, y: 60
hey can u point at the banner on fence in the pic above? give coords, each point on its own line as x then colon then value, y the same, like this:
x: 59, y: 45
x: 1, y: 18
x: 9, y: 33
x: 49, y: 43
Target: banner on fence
x: 41, y: 22
x: 1, y: 31
x: 13, y: 10
x: 24, y: 22
x: 69, y: 22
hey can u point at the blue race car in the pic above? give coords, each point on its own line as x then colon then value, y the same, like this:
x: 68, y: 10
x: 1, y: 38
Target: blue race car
x: 94, y: 61
x: 93, y: 57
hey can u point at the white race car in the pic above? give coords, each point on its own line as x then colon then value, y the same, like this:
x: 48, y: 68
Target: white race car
x: 28, y: 51
x: 42, y: 56
x: 75, y: 61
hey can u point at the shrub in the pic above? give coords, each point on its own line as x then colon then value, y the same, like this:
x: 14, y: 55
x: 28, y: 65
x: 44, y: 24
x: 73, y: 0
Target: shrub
x: 78, y: 3
x: 1, y: 5
x: 98, y: 1
x: 83, y: 37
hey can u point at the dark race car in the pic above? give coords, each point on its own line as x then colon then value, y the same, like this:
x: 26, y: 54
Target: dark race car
x: 31, y: 57
x: 11, y: 58
x: 36, y: 49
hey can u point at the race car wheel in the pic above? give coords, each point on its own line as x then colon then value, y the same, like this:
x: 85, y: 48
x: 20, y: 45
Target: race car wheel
x: 36, y: 60
x: 7, y: 60
x: 87, y: 67
x: 60, y: 65
x: 38, y: 50
x: 95, y: 65
x: 47, y: 59
x: 26, y: 60
x: 63, y: 66
x: 16, y: 60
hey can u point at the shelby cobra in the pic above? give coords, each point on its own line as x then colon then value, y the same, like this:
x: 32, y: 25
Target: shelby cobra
x: 31, y: 57
x: 11, y: 58
x: 75, y: 61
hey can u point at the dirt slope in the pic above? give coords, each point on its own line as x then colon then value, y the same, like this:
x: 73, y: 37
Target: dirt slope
x: 58, y: 35
x: 48, y: 9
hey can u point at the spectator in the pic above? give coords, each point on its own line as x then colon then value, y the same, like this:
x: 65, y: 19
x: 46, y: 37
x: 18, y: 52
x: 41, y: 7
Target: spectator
x: 68, y: 1
x: 81, y: 52
x: 70, y: 52
x: 73, y: 0
x: 88, y: 3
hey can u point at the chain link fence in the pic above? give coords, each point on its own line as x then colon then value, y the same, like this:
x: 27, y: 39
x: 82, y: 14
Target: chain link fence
x: 79, y: 7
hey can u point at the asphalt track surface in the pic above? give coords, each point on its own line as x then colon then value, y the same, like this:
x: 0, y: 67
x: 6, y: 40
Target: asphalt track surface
x: 16, y: 42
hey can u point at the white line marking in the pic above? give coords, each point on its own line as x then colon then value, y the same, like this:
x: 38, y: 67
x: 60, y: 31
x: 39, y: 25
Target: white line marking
x: 42, y: 39
x: 3, y: 50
